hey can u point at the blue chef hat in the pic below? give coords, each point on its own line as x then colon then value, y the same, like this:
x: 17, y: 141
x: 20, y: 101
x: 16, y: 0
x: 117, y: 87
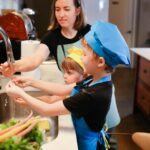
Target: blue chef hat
x: 106, y: 41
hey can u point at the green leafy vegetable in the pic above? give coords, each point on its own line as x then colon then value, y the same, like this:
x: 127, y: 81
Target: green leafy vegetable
x: 35, y: 135
x: 3, y: 126
x: 10, y: 123
x: 16, y: 144
x: 32, y: 141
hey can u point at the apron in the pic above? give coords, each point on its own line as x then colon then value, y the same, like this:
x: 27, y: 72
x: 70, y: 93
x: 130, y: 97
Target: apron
x: 86, y: 138
x: 113, y: 117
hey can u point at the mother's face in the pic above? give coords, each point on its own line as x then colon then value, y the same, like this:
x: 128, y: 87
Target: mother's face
x: 66, y: 13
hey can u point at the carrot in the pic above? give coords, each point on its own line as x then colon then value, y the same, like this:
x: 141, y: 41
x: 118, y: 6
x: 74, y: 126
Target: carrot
x: 15, y: 130
x: 27, y: 130
x: 16, y: 125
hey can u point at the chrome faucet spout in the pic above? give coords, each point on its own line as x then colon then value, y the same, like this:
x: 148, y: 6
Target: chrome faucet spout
x: 9, y: 51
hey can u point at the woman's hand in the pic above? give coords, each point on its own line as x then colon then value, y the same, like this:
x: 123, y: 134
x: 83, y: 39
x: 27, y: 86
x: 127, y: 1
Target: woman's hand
x: 7, y: 69
x: 22, y: 81
x: 13, y: 90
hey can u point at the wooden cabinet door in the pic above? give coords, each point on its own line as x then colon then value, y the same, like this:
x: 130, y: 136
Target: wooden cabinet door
x: 143, y: 99
x: 144, y: 71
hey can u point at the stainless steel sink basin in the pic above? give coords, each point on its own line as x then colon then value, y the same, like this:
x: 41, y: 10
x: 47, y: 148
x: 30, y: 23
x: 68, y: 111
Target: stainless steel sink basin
x: 9, y: 109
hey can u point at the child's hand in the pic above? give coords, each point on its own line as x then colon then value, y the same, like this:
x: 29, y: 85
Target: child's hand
x: 7, y: 69
x: 13, y: 90
x: 21, y: 101
x: 22, y: 81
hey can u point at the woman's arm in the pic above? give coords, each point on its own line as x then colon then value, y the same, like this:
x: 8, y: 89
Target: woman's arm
x: 31, y: 62
x: 26, y: 64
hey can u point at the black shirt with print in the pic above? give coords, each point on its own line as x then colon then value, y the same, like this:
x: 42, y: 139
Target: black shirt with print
x: 54, y: 40
x: 92, y: 103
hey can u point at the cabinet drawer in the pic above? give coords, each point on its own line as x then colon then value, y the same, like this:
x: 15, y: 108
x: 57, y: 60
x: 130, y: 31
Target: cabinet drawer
x: 144, y: 71
x: 143, y: 98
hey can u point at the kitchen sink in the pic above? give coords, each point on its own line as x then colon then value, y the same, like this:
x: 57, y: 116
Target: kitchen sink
x: 9, y: 109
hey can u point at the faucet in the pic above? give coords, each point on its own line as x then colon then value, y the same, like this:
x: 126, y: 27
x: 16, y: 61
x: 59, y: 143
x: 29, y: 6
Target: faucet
x: 9, y: 51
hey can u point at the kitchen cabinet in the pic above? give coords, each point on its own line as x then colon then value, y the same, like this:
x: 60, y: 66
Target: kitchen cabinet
x: 142, y: 89
x: 143, y: 86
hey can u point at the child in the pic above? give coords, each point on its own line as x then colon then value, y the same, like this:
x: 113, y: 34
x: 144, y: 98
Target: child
x: 73, y: 71
x: 91, y: 100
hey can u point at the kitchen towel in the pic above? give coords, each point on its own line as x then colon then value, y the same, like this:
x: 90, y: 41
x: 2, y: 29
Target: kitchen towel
x: 29, y: 47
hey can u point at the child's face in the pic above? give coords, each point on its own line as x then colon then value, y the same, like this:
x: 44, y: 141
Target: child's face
x: 72, y: 76
x: 90, y: 63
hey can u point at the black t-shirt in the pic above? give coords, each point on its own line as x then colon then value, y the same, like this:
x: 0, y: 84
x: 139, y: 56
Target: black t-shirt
x: 58, y: 44
x: 92, y: 103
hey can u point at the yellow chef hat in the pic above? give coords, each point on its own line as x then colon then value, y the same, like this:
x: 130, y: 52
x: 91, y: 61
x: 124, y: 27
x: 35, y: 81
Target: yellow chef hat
x: 75, y: 53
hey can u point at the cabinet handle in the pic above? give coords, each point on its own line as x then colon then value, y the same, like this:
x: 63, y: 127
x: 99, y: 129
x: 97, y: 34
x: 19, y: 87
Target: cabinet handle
x: 143, y: 98
x: 129, y: 32
x: 115, y: 3
x: 145, y: 71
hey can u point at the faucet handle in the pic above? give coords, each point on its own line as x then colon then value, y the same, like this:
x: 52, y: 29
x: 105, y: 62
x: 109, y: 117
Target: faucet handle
x: 9, y: 51
x: 10, y: 57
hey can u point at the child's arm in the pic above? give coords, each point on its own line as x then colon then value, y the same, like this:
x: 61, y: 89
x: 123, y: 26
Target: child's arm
x: 48, y: 87
x: 51, y: 99
x: 53, y: 88
x: 45, y: 98
x: 43, y: 108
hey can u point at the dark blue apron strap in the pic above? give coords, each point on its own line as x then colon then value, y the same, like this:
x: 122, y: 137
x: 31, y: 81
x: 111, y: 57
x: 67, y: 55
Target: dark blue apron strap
x: 103, y: 139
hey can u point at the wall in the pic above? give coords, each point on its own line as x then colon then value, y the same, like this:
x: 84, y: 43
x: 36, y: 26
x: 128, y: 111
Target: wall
x: 143, y: 30
x: 93, y: 11
x: 42, y: 16
x: 96, y: 10
x: 123, y: 13
x: 10, y: 4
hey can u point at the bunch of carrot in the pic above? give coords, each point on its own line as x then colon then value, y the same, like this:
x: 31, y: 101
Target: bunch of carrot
x: 20, y: 129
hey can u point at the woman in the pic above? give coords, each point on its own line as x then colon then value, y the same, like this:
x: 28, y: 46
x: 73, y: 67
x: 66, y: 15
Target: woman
x: 66, y: 28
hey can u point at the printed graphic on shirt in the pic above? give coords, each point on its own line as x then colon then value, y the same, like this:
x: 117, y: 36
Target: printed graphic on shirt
x: 62, y: 54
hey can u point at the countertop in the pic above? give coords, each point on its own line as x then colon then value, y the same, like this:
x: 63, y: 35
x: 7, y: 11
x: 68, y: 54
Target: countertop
x: 143, y: 52
x: 66, y: 139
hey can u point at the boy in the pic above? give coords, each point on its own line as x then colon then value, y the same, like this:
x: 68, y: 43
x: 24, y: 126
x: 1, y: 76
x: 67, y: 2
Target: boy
x: 91, y: 100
